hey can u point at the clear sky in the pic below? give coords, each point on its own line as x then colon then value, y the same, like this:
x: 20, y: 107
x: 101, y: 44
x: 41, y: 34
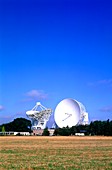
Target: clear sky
x: 55, y: 49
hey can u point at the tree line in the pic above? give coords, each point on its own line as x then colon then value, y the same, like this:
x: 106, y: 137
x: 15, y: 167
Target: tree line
x: 103, y: 128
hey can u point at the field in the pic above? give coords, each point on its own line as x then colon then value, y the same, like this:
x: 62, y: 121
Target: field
x: 55, y: 153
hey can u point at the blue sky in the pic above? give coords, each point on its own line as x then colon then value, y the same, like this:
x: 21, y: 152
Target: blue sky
x: 51, y: 50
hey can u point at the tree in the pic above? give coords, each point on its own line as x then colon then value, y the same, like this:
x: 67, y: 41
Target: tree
x: 45, y: 132
x: 65, y: 131
x: 18, y: 125
x: 3, y: 129
x: 55, y: 132
x: 73, y: 130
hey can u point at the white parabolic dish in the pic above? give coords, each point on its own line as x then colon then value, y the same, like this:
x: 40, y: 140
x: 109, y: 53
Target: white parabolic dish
x: 67, y: 113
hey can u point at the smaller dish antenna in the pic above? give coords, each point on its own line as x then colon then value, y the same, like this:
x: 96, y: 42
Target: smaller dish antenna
x: 39, y: 116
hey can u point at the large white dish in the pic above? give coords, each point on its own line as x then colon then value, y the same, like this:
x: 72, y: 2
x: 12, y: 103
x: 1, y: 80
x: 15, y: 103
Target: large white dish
x: 67, y: 113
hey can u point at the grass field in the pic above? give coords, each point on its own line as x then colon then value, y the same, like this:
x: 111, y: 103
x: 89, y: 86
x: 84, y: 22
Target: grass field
x: 55, y: 153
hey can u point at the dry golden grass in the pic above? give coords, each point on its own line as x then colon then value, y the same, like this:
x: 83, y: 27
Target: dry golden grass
x: 55, y: 153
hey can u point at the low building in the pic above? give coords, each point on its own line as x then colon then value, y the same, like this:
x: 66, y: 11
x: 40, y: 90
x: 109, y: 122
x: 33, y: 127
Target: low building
x: 22, y: 133
x: 51, y: 132
x: 38, y: 132
x: 14, y: 133
x: 79, y: 134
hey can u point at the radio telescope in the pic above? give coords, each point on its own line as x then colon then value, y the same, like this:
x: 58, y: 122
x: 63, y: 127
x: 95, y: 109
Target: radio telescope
x: 39, y: 116
x: 67, y: 113
x: 70, y: 112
